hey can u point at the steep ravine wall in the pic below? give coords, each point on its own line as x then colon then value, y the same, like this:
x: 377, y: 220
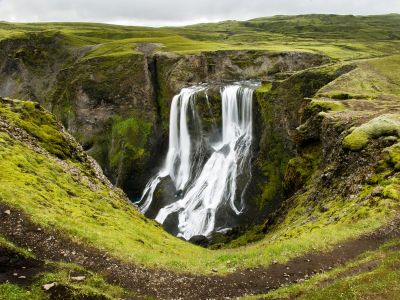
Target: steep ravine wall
x: 118, y: 106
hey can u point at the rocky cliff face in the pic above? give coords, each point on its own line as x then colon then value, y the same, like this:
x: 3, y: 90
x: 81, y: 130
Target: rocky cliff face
x: 118, y: 106
x: 174, y: 71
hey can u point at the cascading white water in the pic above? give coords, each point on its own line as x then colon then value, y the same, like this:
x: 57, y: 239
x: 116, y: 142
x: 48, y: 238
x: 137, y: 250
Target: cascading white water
x: 211, y: 186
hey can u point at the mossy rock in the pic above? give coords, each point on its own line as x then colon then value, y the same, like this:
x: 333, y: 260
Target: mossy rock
x: 385, y: 125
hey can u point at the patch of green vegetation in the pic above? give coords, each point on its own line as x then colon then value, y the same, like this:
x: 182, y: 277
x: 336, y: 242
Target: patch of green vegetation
x: 394, y: 156
x: 300, y: 168
x: 128, y: 138
x: 39, y: 123
x: 384, y: 125
x: 264, y: 88
x: 10, y: 291
x: 325, y: 105
x: 372, y: 79
x: 272, y: 171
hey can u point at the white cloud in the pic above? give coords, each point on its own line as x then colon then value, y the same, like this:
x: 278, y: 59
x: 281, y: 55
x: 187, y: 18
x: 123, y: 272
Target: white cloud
x: 178, y: 12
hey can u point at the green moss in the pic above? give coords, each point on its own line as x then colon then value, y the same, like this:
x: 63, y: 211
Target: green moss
x: 300, y: 168
x: 356, y: 140
x: 380, y: 126
x: 39, y: 123
x: 264, y: 88
x: 392, y: 191
x: 14, y: 292
x: 128, y: 139
x: 326, y: 105
x: 393, y: 157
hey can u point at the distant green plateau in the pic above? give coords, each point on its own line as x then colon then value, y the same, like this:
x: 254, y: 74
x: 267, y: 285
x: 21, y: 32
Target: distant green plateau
x: 340, y: 37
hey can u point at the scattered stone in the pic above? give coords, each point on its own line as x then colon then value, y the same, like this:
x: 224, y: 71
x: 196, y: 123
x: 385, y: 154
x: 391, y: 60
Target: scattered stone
x: 48, y: 286
x: 7, y: 212
x: 324, y: 208
x: 22, y: 277
x: 275, y: 262
x: 214, y: 270
x: 78, y: 278
x: 378, y: 191
x: 15, y: 274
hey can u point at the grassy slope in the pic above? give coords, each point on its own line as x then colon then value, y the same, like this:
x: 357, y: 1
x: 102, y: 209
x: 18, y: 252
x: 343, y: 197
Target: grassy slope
x: 341, y: 37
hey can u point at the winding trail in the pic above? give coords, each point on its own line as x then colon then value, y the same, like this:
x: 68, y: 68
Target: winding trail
x: 53, y: 245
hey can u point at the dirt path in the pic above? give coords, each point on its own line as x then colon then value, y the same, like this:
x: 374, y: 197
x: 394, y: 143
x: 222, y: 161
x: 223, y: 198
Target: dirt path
x: 50, y: 244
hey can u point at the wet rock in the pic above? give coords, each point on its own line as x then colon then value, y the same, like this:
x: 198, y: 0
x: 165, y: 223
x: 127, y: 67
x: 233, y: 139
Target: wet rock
x: 164, y: 195
x: 378, y: 191
x: 200, y: 240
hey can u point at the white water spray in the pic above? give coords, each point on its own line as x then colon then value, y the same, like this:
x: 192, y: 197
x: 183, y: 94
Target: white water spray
x: 211, y: 186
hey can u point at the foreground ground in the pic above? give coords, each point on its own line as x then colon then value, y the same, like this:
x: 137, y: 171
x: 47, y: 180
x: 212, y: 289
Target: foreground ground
x: 24, y: 270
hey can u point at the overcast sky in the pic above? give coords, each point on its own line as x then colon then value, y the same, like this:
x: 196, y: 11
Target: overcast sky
x: 180, y: 12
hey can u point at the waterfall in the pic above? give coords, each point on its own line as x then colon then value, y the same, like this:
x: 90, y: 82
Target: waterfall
x: 208, y: 185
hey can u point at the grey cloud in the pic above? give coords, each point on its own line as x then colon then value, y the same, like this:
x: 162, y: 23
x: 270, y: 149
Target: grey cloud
x: 162, y: 12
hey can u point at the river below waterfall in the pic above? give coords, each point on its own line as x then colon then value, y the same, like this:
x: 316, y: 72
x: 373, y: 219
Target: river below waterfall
x: 209, y: 175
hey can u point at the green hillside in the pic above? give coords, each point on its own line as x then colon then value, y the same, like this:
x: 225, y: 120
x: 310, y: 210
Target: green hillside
x: 341, y: 37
